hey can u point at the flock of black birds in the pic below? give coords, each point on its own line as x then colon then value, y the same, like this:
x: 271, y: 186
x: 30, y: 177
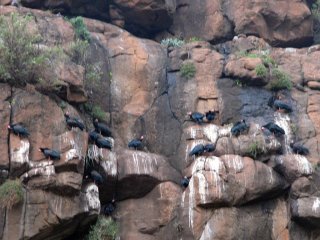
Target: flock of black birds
x: 99, y: 136
x: 240, y: 127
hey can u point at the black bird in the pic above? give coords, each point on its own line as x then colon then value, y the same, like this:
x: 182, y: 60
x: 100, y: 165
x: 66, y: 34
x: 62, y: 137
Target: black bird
x: 136, y: 143
x: 185, y: 182
x: 109, y: 208
x: 18, y: 130
x: 275, y: 102
x: 299, y: 149
x: 102, y: 128
x: 196, y: 117
x: 49, y: 153
x: 271, y: 101
x: 197, y: 150
x: 93, y: 136
x: 210, y: 116
x: 74, y: 122
x: 274, y: 128
x: 96, y: 177
x: 209, y: 147
x: 102, y: 142
x: 239, y: 127
x: 280, y: 105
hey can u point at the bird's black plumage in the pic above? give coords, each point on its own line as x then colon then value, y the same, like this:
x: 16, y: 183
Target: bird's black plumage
x: 280, y: 105
x: 274, y: 128
x: 102, y: 142
x: 136, y: 143
x: 109, y: 208
x: 185, y: 182
x: 196, y: 117
x: 102, y: 128
x: 209, y: 147
x: 19, y: 130
x: 299, y: 149
x: 239, y: 127
x: 74, y: 122
x: 93, y: 136
x: 51, y: 154
x: 197, y: 150
x: 96, y: 177
x: 210, y: 116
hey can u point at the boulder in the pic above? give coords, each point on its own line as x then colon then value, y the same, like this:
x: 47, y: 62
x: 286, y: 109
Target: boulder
x: 292, y: 166
x: 144, y: 217
x: 244, y: 69
x: 45, y: 211
x: 280, y: 23
x: 306, y: 210
x: 249, y: 222
x: 203, y: 19
x: 140, y: 172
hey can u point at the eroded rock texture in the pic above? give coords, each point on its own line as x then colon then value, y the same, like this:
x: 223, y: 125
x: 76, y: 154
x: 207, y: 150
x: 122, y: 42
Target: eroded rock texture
x: 251, y: 186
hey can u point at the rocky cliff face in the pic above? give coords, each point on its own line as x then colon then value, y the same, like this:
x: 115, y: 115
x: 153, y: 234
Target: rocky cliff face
x: 251, y: 187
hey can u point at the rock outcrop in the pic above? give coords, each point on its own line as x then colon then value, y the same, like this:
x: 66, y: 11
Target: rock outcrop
x: 251, y: 186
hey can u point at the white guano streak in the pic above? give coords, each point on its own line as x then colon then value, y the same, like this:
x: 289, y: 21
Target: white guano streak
x: 21, y: 154
x: 283, y: 120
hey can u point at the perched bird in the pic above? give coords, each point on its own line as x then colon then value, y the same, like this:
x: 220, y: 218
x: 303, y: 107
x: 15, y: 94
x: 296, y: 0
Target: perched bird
x: 210, y: 116
x: 280, y: 105
x: 19, y: 130
x: 74, y: 122
x: 102, y: 142
x: 197, y: 150
x: 275, y: 102
x: 93, y: 136
x: 196, y: 117
x: 96, y: 177
x: 209, y: 147
x: 274, y: 128
x: 49, y: 153
x: 239, y: 127
x: 299, y: 149
x: 102, y: 128
x: 185, y: 182
x: 136, y: 143
x: 109, y: 208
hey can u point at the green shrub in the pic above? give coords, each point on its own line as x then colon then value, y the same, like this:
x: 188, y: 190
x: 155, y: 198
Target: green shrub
x: 255, y: 150
x: 239, y: 83
x: 279, y: 80
x: 93, y: 73
x: 194, y: 39
x: 172, y: 42
x: 11, y: 193
x: 261, y: 70
x: 98, y: 113
x: 79, y: 51
x: 21, y: 59
x: 104, y: 229
x: 188, y: 70
x: 80, y: 28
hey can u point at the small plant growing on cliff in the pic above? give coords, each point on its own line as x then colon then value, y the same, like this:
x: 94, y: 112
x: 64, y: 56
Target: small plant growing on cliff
x: 80, y: 28
x: 194, y: 39
x: 172, y: 42
x: 79, y: 51
x: 315, y: 10
x: 21, y: 59
x: 104, y: 229
x: 188, y: 70
x: 255, y: 150
x: 280, y: 80
x: 11, y: 193
x: 261, y: 70
x: 95, y: 111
